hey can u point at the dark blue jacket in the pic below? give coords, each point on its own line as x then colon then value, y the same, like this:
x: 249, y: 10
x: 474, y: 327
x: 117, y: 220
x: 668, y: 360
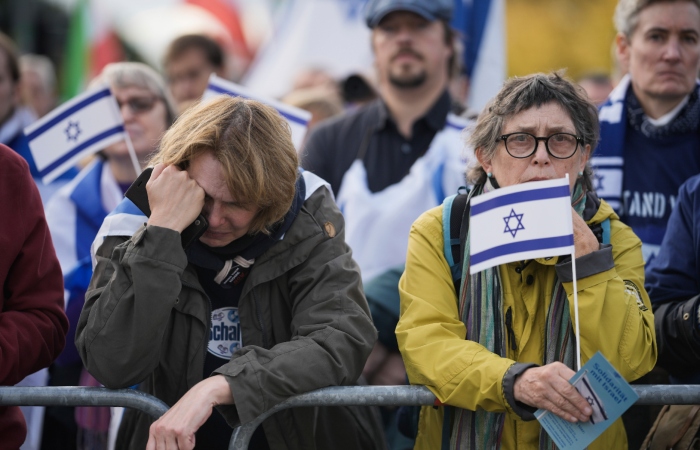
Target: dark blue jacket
x: 673, y: 284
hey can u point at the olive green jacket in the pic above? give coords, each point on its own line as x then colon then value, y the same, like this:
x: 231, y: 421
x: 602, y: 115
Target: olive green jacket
x: 304, y: 320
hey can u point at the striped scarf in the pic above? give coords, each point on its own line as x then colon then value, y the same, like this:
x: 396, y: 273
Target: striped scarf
x: 480, y: 308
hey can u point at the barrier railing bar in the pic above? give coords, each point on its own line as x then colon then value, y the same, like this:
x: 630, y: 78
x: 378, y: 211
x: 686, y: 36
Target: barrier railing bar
x: 331, y: 396
x: 338, y: 396
x: 667, y: 394
x: 421, y: 395
x: 81, y: 396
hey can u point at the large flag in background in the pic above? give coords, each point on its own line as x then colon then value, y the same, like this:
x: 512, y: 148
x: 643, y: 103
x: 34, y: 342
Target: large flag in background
x: 482, y: 26
x: 525, y: 221
x: 77, y: 128
x: 91, y: 44
x: 322, y: 34
x: 297, y: 118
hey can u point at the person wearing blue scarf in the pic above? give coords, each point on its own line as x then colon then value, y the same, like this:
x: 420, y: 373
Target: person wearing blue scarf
x: 650, y: 124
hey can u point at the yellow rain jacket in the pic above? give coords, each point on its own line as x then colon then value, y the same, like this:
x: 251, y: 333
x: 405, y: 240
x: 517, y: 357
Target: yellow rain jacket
x: 614, y: 312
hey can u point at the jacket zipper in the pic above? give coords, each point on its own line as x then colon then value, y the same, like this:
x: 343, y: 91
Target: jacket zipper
x: 207, y: 329
x: 509, y: 328
x: 260, y: 321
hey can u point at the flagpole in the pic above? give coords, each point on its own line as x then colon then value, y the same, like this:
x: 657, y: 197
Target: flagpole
x: 578, y: 335
x: 132, y: 153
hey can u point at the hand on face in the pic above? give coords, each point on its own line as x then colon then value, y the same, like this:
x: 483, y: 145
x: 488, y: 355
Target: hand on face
x: 175, y: 199
x: 585, y: 241
x: 548, y: 387
x: 176, y: 429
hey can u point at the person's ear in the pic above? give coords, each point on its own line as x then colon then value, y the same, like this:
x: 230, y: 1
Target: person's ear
x: 623, y: 50
x: 585, y: 156
x: 483, y: 161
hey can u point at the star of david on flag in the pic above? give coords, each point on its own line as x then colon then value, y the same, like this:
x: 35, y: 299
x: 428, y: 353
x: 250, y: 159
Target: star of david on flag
x: 82, y: 126
x: 537, y: 218
x: 518, y: 218
x: 297, y: 118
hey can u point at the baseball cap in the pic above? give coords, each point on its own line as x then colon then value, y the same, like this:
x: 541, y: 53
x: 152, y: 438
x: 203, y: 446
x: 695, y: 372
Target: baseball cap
x: 428, y: 9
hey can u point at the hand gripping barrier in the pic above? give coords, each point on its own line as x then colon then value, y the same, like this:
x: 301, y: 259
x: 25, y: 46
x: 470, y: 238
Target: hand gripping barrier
x: 420, y: 395
x: 332, y: 396
x: 82, y: 396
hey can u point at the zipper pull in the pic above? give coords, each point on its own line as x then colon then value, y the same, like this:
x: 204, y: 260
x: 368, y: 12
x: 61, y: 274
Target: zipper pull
x: 509, y: 328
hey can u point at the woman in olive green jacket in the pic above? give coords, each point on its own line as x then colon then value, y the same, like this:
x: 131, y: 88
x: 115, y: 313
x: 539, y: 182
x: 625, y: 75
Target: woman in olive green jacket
x: 508, y: 346
x: 301, y: 321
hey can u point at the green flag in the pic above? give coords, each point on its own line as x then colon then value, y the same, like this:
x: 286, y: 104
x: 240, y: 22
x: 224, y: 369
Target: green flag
x: 77, y: 54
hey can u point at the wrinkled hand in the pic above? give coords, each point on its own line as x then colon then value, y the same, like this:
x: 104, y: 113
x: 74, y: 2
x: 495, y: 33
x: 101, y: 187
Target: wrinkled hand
x: 175, y: 199
x: 585, y: 241
x: 548, y: 387
x: 176, y: 429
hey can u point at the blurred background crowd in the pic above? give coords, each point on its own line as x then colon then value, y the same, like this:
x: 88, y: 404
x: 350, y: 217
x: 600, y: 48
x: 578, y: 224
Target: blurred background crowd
x: 312, y: 54
x: 278, y: 46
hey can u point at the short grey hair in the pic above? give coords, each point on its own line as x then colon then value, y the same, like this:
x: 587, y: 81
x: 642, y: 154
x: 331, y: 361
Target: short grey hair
x: 135, y: 74
x: 627, y: 13
x: 522, y: 93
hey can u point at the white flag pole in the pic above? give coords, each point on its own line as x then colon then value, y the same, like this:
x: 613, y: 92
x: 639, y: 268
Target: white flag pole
x: 132, y: 153
x: 573, y: 272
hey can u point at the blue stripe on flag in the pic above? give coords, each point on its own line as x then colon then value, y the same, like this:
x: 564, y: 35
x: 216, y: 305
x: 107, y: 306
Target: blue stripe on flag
x: 519, y: 197
x: 608, y: 166
x: 80, y: 148
x: 78, y: 106
x: 289, y: 117
x: 454, y: 126
x: 523, y: 246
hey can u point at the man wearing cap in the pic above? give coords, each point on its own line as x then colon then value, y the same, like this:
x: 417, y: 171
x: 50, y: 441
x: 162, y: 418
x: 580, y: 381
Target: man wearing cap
x: 397, y: 156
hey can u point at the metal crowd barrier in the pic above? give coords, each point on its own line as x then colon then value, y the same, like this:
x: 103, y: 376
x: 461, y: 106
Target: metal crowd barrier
x: 420, y: 395
x: 81, y: 396
x: 332, y: 396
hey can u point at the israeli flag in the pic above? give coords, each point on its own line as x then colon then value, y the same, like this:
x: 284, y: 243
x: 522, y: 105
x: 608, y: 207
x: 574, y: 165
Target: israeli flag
x: 79, y: 127
x: 297, y: 118
x: 525, y: 221
x: 124, y: 220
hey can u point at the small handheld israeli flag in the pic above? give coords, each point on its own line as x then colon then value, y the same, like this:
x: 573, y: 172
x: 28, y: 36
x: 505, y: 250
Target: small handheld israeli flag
x: 81, y: 126
x: 525, y: 221
x: 297, y: 118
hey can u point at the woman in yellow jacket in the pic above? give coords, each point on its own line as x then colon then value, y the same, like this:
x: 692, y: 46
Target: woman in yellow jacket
x: 507, y: 347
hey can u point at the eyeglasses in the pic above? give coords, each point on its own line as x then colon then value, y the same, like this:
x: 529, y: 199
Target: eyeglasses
x: 139, y: 105
x: 524, y: 145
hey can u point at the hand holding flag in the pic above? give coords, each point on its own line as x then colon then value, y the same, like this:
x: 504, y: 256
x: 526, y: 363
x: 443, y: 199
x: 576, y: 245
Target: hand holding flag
x: 524, y: 221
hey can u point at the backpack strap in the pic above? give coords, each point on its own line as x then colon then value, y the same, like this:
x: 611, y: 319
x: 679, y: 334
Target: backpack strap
x: 605, y: 225
x: 454, y: 228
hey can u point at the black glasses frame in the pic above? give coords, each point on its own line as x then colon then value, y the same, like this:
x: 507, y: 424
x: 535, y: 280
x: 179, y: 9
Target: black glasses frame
x: 579, y: 142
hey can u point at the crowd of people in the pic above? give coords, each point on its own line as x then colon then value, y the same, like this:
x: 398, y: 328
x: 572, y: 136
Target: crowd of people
x: 327, y: 265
